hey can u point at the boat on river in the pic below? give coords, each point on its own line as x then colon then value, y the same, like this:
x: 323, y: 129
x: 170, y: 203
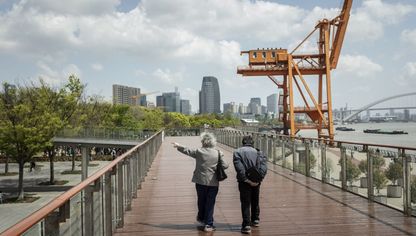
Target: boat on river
x: 380, y: 131
x: 343, y: 128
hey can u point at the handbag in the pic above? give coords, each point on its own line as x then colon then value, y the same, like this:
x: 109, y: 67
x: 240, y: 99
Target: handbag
x: 220, y: 172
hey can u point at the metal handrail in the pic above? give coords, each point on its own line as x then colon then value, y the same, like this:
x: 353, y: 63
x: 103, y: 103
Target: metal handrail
x: 22, y: 226
x: 303, y: 139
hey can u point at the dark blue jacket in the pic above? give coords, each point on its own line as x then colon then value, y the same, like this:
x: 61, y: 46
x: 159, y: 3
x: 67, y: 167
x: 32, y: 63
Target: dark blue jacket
x: 246, y: 157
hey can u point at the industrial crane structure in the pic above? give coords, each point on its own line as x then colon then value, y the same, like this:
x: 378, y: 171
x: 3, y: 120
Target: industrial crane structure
x: 293, y: 67
x: 139, y: 96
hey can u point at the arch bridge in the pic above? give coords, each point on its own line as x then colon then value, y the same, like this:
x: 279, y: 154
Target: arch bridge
x: 366, y: 107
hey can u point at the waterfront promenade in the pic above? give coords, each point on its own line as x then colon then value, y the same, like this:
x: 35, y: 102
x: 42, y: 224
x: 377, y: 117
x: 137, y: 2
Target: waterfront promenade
x: 291, y: 204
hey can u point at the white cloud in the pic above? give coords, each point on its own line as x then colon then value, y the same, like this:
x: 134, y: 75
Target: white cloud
x: 410, y: 68
x: 409, y: 36
x: 369, y: 21
x: 168, y: 77
x: 76, y: 7
x: 358, y: 65
x: 57, y: 76
x: 97, y: 67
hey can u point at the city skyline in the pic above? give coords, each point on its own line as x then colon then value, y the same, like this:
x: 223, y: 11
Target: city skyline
x: 49, y: 40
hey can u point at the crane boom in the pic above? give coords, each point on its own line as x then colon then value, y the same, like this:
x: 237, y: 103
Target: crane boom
x: 341, y: 22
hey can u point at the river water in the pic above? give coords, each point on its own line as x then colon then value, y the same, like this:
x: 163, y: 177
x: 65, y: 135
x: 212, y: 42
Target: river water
x: 404, y: 140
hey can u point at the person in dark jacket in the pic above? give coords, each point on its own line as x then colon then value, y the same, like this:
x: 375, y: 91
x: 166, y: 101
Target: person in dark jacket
x: 245, y: 158
x: 204, y: 177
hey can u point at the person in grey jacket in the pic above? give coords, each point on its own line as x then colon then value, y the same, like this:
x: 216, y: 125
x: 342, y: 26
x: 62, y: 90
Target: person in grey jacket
x: 244, y: 158
x: 204, y: 177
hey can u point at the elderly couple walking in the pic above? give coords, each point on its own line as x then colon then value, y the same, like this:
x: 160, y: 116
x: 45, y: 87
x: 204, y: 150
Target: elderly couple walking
x: 245, y: 159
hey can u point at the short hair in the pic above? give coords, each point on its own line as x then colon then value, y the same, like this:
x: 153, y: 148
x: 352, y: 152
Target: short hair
x: 208, y: 140
x: 248, y: 141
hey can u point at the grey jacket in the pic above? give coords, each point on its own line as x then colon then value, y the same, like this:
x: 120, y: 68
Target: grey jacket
x: 205, y: 165
x: 246, y: 157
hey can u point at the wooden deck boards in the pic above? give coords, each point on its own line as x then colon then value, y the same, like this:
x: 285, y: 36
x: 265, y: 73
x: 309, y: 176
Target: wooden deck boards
x: 290, y: 204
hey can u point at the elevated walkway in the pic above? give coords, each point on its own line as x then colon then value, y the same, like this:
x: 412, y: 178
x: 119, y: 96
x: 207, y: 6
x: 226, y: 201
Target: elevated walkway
x: 291, y: 204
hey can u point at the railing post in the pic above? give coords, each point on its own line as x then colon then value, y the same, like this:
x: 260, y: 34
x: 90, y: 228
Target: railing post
x: 343, y: 168
x: 120, y: 196
x: 108, y: 216
x: 128, y: 184
x: 88, y: 211
x: 324, y: 165
x: 270, y: 149
x: 370, y: 186
x: 407, y: 206
x: 52, y: 224
x: 294, y: 164
x: 307, y: 160
x: 84, y: 162
x: 284, y: 161
x: 274, y: 152
x: 135, y: 173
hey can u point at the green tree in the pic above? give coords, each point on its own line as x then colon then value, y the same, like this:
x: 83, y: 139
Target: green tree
x: 23, y: 125
x: 176, y: 120
x: 413, y: 189
x: 151, y: 119
x: 61, y: 104
x: 379, y: 179
x: 352, y: 171
x: 395, y: 170
x: 378, y: 162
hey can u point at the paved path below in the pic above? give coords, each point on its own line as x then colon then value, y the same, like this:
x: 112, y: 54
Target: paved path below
x: 290, y: 204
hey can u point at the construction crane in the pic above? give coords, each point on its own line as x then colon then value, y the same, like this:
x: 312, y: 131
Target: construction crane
x: 137, y: 97
x: 294, y: 66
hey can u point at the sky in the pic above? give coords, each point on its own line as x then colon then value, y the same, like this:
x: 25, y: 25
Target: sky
x: 158, y: 45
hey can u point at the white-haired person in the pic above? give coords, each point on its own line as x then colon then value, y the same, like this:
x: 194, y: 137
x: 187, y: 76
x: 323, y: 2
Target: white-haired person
x: 204, y: 177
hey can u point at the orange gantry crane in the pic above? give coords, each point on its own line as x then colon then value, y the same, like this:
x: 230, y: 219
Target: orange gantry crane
x: 293, y: 67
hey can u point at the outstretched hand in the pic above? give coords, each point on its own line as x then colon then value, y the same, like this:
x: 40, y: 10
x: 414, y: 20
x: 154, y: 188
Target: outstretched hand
x: 175, y: 145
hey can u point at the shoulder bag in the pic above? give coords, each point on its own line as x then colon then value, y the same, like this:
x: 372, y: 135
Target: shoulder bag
x: 220, y: 172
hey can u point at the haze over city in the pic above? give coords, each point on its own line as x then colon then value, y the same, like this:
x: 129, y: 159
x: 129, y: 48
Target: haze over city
x: 160, y: 45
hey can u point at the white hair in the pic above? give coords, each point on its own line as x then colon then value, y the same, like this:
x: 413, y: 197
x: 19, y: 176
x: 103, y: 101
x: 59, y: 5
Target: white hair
x: 208, y: 140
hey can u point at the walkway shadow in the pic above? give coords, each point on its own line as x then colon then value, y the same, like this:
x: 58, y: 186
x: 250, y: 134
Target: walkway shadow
x: 220, y: 227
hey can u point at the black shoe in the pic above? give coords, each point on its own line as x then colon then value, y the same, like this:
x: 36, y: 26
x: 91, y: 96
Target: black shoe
x: 255, y: 223
x: 246, y: 230
x: 209, y: 228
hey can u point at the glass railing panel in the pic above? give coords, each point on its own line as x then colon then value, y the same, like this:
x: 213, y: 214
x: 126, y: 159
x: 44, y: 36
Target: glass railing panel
x: 278, y: 146
x: 380, y: 180
x: 73, y: 225
x: 315, y: 160
x: 413, y: 186
x: 299, y: 157
x: 97, y: 212
x: 288, y: 155
x: 333, y: 157
x: 36, y: 230
x: 394, y: 174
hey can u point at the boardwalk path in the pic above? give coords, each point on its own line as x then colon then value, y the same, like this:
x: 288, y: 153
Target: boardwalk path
x: 290, y: 204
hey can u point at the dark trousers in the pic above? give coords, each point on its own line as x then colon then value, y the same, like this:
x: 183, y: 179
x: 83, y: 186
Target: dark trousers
x: 249, y: 197
x: 206, y: 202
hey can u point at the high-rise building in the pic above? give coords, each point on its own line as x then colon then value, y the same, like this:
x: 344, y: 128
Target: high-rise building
x: 209, y: 96
x: 272, y: 103
x: 185, y: 107
x: 169, y: 101
x: 255, y: 106
x: 230, y: 108
x: 126, y: 95
x: 242, y: 109
x: 256, y: 101
x: 263, y: 110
